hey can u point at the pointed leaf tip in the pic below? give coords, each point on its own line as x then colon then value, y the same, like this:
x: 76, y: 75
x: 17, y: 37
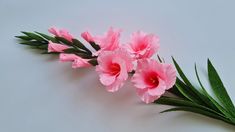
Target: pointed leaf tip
x: 219, y: 89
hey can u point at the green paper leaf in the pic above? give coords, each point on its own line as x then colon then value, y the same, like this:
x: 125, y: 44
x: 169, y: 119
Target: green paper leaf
x: 185, y: 90
x: 182, y: 75
x: 78, y: 44
x: 201, y: 98
x: 95, y: 46
x: 31, y: 43
x: 93, y: 62
x: 24, y: 37
x: 174, y: 90
x: 34, y: 36
x: 73, y: 50
x: 63, y: 40
x: 84, y: 56
x: 216, y: 104
x: 219, y: 89
x: 53, y: 53
x: 48, y: 37
x: 181, y: 102
x: 199, y: 111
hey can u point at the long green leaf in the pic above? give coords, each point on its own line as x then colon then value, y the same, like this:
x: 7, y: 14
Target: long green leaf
x: 219, y: 89
x: 185, y: 90
x: 73, y: 50
x: 180, y: 102
x: 95, y: 46
x: 174, y: 90
x: 78, y: 44
x: 34, y: 36
x: 182, y: 75
x: 24, y: 37
x: 199, y: 111
x: 217, y: 105
x: 200, y: 97
x: 31, y: 43
x: 48, y: 37
x: 93, y: 62
x: 63, y: 40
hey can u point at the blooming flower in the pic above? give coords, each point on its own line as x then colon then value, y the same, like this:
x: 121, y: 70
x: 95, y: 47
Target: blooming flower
x: 152, y: 79
x: 77, y: 61
x: 143, y: 45
x: 54, y: 47
x: 107, y: 42
x: 61, y: 33
x: 113, y: 68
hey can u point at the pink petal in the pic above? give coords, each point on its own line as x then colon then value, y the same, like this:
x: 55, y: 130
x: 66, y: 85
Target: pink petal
x: 109, y: 41
x: 80, y: 62
x: 54, y: 31
x: 115, y: 86
x: 61, y: 33
x: 87, y: 36
x: 67, y: 57
x: 170, y: 76
x: 65, y: 34
x: 55, y: 47
x: 107, y: 79
x: 138, y: 81
x: 145, y: 97
x: 143, y: 45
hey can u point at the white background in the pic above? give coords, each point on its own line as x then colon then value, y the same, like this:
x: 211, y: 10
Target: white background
x: 40, y: 94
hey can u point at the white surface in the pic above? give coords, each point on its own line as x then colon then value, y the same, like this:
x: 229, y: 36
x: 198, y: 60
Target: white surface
x: 39, y: 94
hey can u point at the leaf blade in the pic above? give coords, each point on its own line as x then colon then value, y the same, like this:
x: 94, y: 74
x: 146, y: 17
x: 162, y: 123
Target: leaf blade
x: 219, y: 89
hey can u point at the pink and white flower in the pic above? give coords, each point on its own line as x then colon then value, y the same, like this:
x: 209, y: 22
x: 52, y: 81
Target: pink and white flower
x: 143, y: 45
x: 77, y: 62
x: 61, y: 33
x: 113, y: 68
x: 152, y: 79
x: 55, y: 47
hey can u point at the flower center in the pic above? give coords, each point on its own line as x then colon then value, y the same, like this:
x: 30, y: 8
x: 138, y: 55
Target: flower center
x: 141, y: 46
x: 115, y: 69
x: 152, y: 79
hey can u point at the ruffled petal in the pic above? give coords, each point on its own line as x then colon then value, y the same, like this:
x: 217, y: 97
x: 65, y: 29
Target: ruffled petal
x: 170, y: 75
x: 107, y: 79
x: 145, y: 96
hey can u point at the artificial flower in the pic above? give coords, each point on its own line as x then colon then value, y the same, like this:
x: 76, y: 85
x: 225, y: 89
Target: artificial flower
x: 143, y: 45
x: 152, y: 79
x: 61, y: 33
x: 107, y: 42
x: 113, y: 68
x: 55, y: 47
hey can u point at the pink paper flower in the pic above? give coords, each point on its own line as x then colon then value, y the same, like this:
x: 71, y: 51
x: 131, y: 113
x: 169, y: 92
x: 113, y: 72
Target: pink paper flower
x: 152, y: 79
x: 54, y: 47
x: 61, y: 33
x: 113, y: 68
x: 143, y: 45
x: 110, y: 40
x: 77, y: 62
x: 107, y: 42
x: 87, y: 36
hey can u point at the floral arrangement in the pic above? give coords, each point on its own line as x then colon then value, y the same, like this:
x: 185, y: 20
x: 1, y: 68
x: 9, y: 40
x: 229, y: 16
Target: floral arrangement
x: 115, y: 62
